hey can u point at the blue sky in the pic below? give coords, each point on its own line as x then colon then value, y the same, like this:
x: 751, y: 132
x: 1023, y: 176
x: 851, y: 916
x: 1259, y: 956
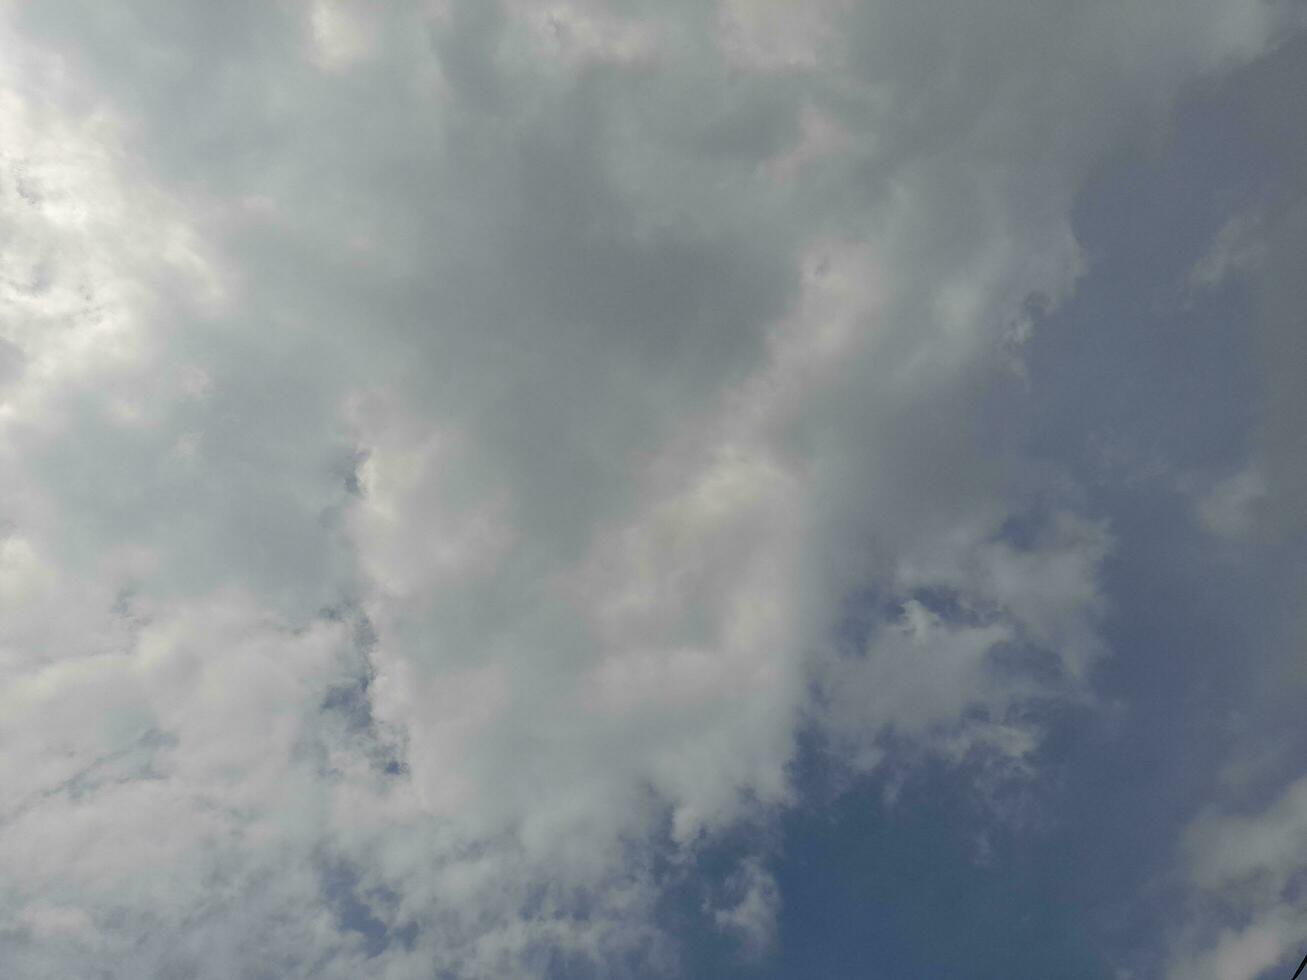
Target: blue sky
x: 1086, y: 885
x: 585, y: 489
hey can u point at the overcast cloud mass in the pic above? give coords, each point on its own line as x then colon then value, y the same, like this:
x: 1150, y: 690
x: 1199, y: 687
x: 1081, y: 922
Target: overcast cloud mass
x: 507, y: 488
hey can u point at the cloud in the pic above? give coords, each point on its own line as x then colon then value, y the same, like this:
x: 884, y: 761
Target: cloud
x: 1227, y: 508
x: 1242, y: 906
x: 1247, y: 868
x: 1236, y: 249
x: 752, y: 914
x: 440, y: 445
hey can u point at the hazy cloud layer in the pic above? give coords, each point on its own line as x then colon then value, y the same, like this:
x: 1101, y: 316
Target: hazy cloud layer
x: 448, y: 452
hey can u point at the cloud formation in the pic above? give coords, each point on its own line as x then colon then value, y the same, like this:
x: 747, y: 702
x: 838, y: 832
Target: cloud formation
x: 1242, y: 861
x: 449, y: 450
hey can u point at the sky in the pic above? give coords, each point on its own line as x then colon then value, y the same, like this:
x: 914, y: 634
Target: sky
x: 589, y: 489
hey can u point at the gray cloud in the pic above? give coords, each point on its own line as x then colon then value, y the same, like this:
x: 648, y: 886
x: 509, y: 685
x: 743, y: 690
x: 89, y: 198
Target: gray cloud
x: 547, y: 377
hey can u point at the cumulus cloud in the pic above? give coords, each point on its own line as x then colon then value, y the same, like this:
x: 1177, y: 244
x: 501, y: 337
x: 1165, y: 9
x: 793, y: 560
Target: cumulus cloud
x: 1247, y: 868
x: 441, y: 443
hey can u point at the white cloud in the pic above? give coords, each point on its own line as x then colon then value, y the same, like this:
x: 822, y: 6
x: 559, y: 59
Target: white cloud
x: 768, y: 35
x: 1243, y: 867
x: 1228, y: 507
x: 343, y: 33
x: 440, y: 445
x: 1237, y: 248
x: 752, y: 906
